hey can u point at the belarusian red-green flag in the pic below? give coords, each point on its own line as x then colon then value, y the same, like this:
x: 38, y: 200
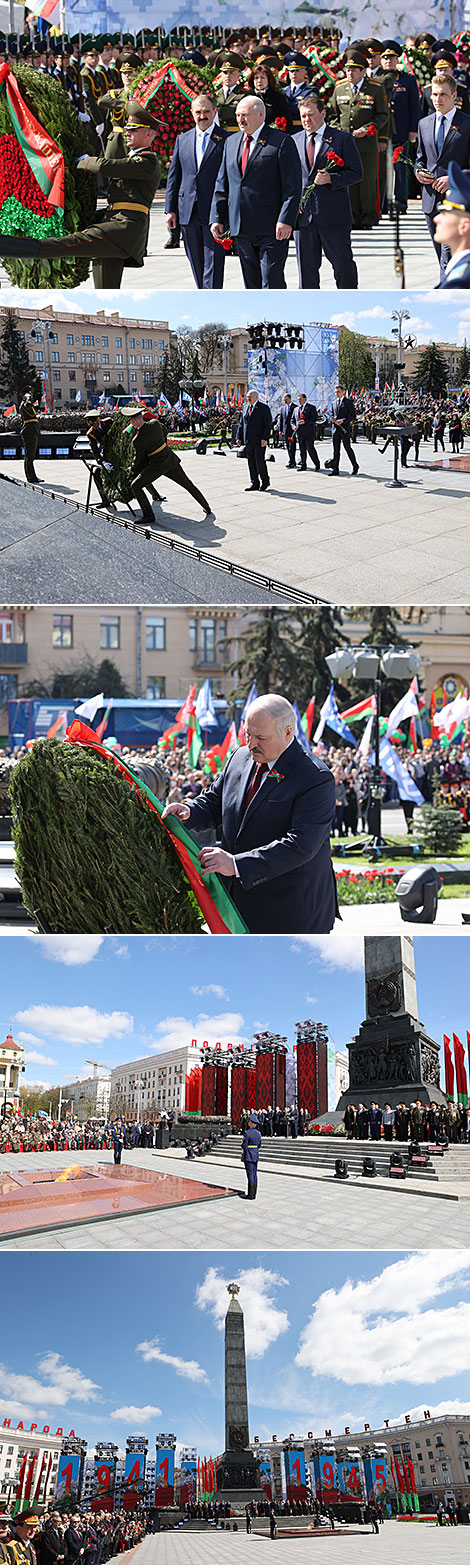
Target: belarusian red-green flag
x: 194, y: 739
x: 307, y: 719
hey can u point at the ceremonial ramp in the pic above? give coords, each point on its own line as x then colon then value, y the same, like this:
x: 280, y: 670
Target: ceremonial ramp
x: 39, y: 1199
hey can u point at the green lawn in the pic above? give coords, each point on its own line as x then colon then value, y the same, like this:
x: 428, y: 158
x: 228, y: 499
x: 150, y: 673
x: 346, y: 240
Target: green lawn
x: 359, y: 860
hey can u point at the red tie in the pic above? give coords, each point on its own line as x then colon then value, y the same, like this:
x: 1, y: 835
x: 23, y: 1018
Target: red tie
x: 256, y: 781
x: 310, y: 150
x: 246, y: 152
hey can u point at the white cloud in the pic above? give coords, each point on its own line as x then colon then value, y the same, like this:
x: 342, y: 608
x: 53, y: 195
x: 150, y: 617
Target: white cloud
x: 436, y: 1409
x: 264, y: 1321
x: 136, y: 1415
x: 340, y: 951
x: 123, y: 953
x: 210, y: 989
x: 377, y: 313
x: 60, y: 1384
x: 344, y: 318
x: 384, y: 1330
x: 188, y: 1368
x: 77, y: 1024
x: 33, y: 1057
x: 72, y: 950
x: 174, y: 1032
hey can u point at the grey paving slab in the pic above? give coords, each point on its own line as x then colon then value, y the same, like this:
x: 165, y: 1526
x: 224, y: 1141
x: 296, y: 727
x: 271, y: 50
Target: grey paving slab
x: 315, y: 1215
x: 342, y: 539
x: 374, y: 254
x: 411, y: 1542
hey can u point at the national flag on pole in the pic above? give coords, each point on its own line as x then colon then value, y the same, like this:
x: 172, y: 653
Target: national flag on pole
x: 58, y: 729
x: 48, y: 1474
x: 461, y: 1074
x: 308, y: 716
x: 406, y: 707
x: 19, y: 1489
x: 187, y: 707
x: 39, y: 1482
x: 9, y: 411
x: 450, y: 720
x: 299, y: 731
x: 101, y: 729
x: 329, y: 717
x: 393, y: 767
x: 167, y: 740
x: 359, y: 710
x: 230, y: 743
x: 45, y: 9
x: 88, y: 709
x: 449, y: 1070
x: 194, y: 739
x: 252, y: 696
x: 29, y: 1480
x: 205, y: 710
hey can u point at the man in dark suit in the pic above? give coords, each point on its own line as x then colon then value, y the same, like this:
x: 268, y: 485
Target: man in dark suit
x: 73, y: 1541
x: 342, y: 414
x: 51, y: 1548
x: 192, y: 174
x: 443, y: 137
x: 273, y: 808
x: 331, y: 161
x: 257, y: 195
x: 287, y: 418
x: 306, y: 429
x: 254, y: 430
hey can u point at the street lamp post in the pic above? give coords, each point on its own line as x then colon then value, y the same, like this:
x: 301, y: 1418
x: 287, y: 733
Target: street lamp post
x: 226, y: 343
x: 399, y: 316
x: 375, y: 662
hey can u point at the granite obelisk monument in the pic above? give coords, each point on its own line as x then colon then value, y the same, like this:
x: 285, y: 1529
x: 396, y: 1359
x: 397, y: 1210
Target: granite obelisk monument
x: 392, y: 1059
x: 238, y: 1476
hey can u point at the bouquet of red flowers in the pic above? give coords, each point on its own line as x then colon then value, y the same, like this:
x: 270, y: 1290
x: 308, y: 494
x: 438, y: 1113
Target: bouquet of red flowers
x: 334, y: 158
x: 280, y: 122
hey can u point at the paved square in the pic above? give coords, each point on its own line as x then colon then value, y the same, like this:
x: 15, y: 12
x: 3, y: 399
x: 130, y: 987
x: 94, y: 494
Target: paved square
x: 410, y: 1542
x: 35, y: 1200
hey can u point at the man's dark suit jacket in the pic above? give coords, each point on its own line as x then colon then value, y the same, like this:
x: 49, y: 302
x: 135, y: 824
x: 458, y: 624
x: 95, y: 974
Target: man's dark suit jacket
x: 287, y: 418
x: 50, y: 1546
x: 189, y: 187
x: 307, y: 419
x: 266, y: 194
x: 456, y: 148
x: 281, y: 845
x: 329, y: 205
x: 255, y: 426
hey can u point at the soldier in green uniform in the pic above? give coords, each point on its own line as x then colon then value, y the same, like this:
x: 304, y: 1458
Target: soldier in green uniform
x: 30, y: 436
x: 230, y: 90
x: 115, y: 100
x: 4, y: 1538
x: 21, y: 1549
x: 91, y: 92
x: 119, y: 237
x: 153, y: 458
x: 107, y: 73
x: 359, y: 105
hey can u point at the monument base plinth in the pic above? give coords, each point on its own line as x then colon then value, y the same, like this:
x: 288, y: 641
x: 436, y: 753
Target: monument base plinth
x: 392, y: 1060
x: 238, y: 1480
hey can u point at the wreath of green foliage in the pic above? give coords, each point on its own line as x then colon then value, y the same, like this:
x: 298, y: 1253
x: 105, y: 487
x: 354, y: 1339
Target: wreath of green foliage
x: 91, y: 856
x: 52, y: 107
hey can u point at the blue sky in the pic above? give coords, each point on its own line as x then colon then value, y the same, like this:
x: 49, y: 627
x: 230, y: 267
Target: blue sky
x: 78, y: 997
x: 112, y: 1345
x: 433, y: 317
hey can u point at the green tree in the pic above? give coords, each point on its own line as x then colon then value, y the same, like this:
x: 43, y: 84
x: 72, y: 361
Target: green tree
x: 320, y: 632
x: 463, y: 366
x: 84, y: 679
x: 17, y: 375
x: 432, y: 372
x: 356, y: 365
x: 171, y: 371
x: 269, y: 655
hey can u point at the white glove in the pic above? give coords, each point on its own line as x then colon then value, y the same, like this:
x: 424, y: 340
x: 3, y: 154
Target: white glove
x: 108, y: 467
x: 84, y: 118
x: 82, y: 159
x: 100, y: 129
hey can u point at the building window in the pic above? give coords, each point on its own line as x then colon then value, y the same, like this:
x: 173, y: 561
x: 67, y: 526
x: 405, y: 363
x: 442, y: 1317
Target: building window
x: 156, y: 635
x: 53, y: 336
x: 88, y: 342
x: 208, y: 639
x: 39, y: 356
x: 69, y: 339
x: 131, y: 343
x: 119, y: 342
x: 132, y: 358
x: 105, y: 358
x: 72, y: 375
x: 133, y: 376
x: 62, y: 630
x: 161, y: 343
x: 55, y: 358
x: 155, y: 688
x: 56, y: 374
x: 193, y: 635
x: 110, y: 638
x: 106, y: 375
x: 104, y: 342
x: 119, y: 358
x: 70, y: 358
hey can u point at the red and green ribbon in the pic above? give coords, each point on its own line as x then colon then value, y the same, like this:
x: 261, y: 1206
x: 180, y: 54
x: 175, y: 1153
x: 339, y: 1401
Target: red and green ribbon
x: 171, y: 70
x: 45, y: 158
x: 217, y: 908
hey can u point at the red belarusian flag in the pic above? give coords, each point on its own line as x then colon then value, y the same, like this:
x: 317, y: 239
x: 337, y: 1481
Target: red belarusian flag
x: 39, y: 1482
x: 101, y: 729
x: 360, y: 709
x: 449, y: 1068
x: 187, y: 707
x: 462, y: 1087
x: 29, y: 1480
x: 194, y: 739
x: 229, y: 744
x: 19, y: 1489
x: 58, y: 729
x: 307, y: 719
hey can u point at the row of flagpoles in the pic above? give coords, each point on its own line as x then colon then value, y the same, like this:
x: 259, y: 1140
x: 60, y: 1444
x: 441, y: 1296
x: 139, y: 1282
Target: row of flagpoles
x: 459, y: 1076
x: 24, y: 1492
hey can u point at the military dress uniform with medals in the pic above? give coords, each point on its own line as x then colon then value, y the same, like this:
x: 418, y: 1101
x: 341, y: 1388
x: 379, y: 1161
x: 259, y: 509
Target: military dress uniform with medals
x: 30, y: 437
x: 227, y: 103
x: 356, y: 108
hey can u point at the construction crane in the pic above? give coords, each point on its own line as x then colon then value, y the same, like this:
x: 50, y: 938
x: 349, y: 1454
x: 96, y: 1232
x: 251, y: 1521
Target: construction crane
x: 108, y: 1065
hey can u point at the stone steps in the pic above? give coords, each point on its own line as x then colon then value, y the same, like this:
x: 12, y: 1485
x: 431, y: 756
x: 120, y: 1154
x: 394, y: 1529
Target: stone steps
x: 319, y: 1153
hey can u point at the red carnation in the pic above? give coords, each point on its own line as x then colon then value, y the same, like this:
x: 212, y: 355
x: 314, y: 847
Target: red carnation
x: 397, y: 154
x: 281, y: 123
x: 333, y: 157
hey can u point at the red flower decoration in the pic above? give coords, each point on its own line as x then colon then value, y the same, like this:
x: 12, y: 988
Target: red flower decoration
x: 281, y: 123
x: 397, y: 154
x: 333, y: 157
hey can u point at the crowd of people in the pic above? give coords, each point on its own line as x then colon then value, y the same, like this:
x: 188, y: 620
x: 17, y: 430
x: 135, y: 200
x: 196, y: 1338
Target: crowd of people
x: 428, y: 1122
x: 28, y: 1132
x: 290, y: 1121
x: 347, y: 133
x: 83, y: 1537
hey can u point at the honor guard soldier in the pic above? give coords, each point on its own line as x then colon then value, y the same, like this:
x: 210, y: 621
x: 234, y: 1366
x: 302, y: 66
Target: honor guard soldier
x: 91, y: 91
x: 107, y: 74
x: 118, y: 237
x: 403, y: 99
x: 115, y: 99
x: 154, y: 458
x: 359, y: 105
x: 21, y: 1549
x: 230, y: 89
x: 30, y: 436
x: 452, y: 226
x: 300, y: 77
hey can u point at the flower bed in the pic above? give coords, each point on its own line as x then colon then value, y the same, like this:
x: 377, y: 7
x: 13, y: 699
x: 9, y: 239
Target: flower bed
x: 368, y: 885
x: 326, y: 1130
